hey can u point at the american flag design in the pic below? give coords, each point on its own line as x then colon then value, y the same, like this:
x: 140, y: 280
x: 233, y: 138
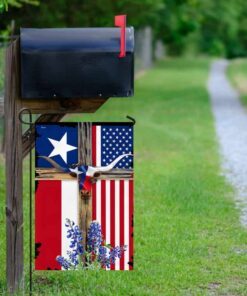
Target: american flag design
x: 112, y: 200
x: 60, y: 177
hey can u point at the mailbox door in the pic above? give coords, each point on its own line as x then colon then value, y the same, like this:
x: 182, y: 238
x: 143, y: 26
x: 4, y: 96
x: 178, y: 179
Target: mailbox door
x: 76, y: 63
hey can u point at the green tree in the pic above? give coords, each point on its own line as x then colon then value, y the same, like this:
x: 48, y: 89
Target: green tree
x: 4, y: 4
x: 213, y: 27
x: 73, y: 13
x: 176, y: 20
x: 219, y: 27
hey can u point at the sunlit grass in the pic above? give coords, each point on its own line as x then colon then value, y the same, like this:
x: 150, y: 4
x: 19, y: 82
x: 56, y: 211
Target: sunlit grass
x: 237, y: 72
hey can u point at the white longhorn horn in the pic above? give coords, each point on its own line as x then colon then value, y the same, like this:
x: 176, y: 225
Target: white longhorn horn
x: 92, y: 170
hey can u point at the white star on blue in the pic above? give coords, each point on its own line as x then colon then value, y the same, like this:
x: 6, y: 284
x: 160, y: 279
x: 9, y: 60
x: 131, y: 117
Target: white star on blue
x: 117, y: 140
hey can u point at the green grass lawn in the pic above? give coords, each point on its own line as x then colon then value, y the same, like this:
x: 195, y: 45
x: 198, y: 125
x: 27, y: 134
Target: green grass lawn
x: 188, y: 240
x: 237, y: 72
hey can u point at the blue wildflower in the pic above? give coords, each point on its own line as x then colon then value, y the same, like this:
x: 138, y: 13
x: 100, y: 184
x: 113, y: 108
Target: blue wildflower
x: 105, y: 255
x: 75, y: 236
x: 115, y: 253
x: 63, y: 262
x: 94, y: 237
x: 73, y: 256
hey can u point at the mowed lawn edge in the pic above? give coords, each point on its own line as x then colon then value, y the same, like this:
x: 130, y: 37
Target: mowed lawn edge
x: 237, y: 73
x: 188, y: 239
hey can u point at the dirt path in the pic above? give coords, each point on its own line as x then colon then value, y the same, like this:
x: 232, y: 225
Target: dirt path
x: 231, y: 128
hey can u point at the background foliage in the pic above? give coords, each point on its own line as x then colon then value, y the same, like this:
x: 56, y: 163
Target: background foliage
x: 209, y: 26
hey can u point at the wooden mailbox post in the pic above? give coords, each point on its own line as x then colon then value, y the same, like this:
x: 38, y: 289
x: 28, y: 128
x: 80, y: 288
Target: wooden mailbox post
x: 33, y: 82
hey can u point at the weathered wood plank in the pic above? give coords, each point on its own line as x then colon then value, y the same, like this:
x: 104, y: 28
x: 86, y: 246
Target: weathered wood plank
x: 55, y: 176
x: 13, y: 152
x: 50, y: 106
x: 44, y: 171
x: 116, y: 174
x: 85, y: 158
x: 53, y: 173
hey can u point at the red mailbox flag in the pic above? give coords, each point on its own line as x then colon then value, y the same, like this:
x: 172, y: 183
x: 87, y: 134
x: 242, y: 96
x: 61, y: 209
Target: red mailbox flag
x: 120, y: 21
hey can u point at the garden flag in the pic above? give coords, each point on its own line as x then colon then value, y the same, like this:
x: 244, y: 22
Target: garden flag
x: 84, y: 172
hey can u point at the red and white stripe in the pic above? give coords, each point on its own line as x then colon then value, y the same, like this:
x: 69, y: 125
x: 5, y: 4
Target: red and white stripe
x: 112, y: 204
x: 55, y: 201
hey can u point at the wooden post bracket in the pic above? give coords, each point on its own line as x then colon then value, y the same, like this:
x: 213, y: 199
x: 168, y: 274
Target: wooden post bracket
x: 17, y: 147
x: 13, y: 153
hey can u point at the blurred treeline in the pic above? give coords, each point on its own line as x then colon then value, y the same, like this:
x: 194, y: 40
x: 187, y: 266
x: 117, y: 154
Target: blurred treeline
x: 213, y: 27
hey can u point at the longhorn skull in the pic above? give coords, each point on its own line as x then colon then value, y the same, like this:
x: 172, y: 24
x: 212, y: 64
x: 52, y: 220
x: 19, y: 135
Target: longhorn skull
x: 87, y: 174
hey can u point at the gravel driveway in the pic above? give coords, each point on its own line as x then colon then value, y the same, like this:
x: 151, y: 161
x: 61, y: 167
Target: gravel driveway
x: 231, y: 128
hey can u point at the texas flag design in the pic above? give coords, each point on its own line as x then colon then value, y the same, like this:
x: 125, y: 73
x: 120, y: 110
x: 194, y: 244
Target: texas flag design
x: 57, y: 141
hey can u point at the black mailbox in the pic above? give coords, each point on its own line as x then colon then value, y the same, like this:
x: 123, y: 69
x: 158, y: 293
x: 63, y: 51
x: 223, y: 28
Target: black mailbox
x: 76, y: 63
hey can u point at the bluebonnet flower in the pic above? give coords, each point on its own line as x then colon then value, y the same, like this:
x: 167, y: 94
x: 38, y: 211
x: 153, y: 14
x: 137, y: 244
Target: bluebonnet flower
x: 94, y: 237
x: 63, y: 262
x: 115, y: 253
x: 73, y: 256
x: 102, y: 254
x: 75, y: 236
x: 107, y: 255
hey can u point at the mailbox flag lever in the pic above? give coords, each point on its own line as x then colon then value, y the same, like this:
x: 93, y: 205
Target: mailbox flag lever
x: 120, y: 21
